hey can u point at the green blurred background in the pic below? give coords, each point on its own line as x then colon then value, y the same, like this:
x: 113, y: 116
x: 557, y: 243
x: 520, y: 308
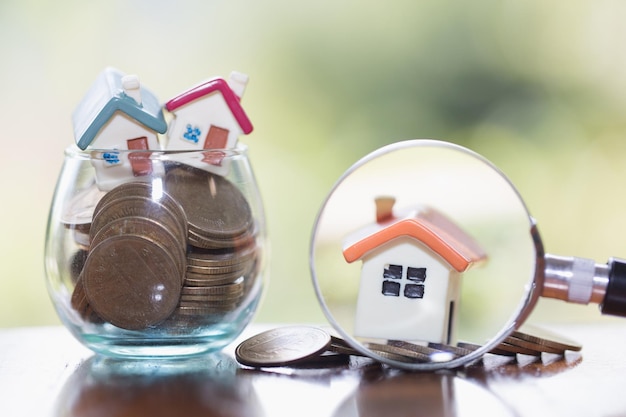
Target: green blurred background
x: 537, y: 87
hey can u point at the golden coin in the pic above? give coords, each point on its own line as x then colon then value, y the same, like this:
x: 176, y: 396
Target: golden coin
x: 235, y: 287
x: 131, y: 282
x: 282, y: 346
x: 546, y: 338
x: 149, y: 229
x: 456, y: 350
x: 413, y: 347
x: 208, y: 242
x: 143, y: 189
x: 390, y: 351
x: 221, y: 257
x: 208, y: 280
x: 136, y: 206
x: 202, y: 311
x: 214, y: 206
x: 210, y: 298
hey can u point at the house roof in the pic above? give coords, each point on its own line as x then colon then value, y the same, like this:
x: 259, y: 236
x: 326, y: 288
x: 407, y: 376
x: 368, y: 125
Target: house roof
x: 105, y: 97
x: 209, y: 87
x: 428, y: 226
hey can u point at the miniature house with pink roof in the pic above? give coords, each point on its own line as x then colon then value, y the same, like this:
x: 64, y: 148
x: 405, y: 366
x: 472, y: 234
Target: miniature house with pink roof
x: 118, y: 114
x: 411, y: 274
x: 209, y: 116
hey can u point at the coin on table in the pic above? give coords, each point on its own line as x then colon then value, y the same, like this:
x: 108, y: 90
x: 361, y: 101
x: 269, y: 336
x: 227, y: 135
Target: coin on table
x: 338, y: 345
x: 282, y: 346
x: 537, y: 347
x: 425, y: 350
x: 455, y: 350
x: 473, y: 346
x: 515, y: 349
x: 131, y: 282
x: 397, y: 353
x: 542, y: 339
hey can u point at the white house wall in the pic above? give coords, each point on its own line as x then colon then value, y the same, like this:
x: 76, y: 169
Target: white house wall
x: 401, y: 318
x: 202, y: 113
x: 113, y: 136
x: 119, y: 129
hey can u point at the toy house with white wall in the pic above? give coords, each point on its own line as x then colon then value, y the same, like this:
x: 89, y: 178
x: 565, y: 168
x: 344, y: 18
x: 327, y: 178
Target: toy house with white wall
x: 116, y: 115
x: 411, y: 274
x: 209, y: 117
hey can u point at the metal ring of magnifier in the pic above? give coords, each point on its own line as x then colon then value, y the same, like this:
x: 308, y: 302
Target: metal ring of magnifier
x: 532, y: 289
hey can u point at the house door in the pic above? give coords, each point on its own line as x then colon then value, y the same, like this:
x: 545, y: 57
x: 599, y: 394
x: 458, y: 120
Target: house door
x: 139, y: 161
x: 216, y: 138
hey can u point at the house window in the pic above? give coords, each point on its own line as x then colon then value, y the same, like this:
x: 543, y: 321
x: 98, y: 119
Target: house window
x: 192, y: 134
x: 216, y: 138
x: 411, y: 286
x: 139, y: 161
x: 393, y: 271
x: 391, y: 288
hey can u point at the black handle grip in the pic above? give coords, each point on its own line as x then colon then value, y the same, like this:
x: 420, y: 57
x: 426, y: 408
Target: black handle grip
x: 615, y: 298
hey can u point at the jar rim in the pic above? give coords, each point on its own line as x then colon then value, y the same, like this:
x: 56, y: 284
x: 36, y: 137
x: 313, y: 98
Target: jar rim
x: 96, y: 153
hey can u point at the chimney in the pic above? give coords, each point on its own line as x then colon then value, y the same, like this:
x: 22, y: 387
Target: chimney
x: 237, y: 82
x: 131, y: 86
x: 384, y: 208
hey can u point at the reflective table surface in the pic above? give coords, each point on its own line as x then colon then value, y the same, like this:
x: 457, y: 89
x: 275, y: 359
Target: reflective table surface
x: 45, y: 372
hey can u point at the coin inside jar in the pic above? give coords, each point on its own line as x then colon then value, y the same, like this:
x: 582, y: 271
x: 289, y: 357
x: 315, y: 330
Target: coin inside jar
x: 148, y: 228
x: 133, y: 206
x: 217, y: 212
x: 131, y: 282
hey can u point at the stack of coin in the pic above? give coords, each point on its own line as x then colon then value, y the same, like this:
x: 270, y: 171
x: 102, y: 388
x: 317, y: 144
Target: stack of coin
x: 218, y: 213
x: 221, y: 248
x: 134, y: 269
x: 180, y: 247
x: 300, y: 345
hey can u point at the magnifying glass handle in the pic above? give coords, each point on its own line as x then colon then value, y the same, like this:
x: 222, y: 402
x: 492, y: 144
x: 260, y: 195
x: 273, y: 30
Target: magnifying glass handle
x: 583, y: 281
x: 615, y: 298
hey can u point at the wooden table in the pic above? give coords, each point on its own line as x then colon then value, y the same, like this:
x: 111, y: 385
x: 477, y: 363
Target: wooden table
x: 45, y: 372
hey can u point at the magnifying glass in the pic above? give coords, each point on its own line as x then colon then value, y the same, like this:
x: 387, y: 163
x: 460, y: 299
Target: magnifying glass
x: 423, y: 244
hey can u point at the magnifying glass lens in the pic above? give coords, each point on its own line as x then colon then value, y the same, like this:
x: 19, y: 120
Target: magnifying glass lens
x: 424, y: 246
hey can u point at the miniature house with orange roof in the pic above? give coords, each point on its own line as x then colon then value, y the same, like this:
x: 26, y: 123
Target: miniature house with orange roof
x: 209, y: 116
x: 118, y: 114
x: 411, y: 274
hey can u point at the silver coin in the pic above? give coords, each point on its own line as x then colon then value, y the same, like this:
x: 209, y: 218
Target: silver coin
x: 282, y: 346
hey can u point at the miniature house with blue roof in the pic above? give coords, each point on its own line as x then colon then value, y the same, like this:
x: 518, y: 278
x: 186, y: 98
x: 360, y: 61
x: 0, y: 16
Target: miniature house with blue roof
x: 209, y: 117
x: 118, y: 115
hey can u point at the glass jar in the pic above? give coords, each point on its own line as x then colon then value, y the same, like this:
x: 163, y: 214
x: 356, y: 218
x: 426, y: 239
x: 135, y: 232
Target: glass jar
x: 155, y: 253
